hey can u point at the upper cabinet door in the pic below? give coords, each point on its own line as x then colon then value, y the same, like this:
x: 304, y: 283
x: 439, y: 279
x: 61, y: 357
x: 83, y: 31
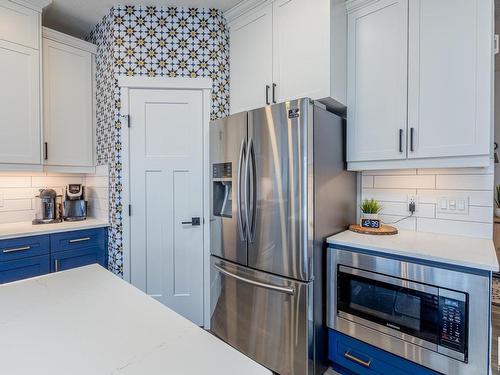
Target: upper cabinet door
x: 251, y: 53
x: 68, y: 105
x: 301, y: 37
x: 450, y: 70
x: 377, y: 81
x: 19, y: 104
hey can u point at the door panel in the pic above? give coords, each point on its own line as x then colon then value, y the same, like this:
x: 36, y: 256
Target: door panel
x: 261, y: 315
x: 68, y: 105
x: 251, y: 56
x: 20, y: 104
x: 301, y: 66
x: 278, y: 243
x: 228, y: 145
x: 450, y: 82
x: 377, y: 81
x: 166, y: 190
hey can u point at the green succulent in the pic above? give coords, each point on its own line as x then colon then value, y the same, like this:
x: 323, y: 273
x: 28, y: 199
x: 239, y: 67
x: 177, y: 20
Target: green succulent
x: 370, y: 206
x: 497, y: 196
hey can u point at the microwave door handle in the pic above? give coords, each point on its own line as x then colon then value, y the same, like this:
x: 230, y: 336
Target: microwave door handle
x: 241, y: 226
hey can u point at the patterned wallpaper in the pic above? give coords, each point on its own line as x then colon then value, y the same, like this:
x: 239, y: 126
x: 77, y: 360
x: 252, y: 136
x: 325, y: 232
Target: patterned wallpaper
x: 151, y: 41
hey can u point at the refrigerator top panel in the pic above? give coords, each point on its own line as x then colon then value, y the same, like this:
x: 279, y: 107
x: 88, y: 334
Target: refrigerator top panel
x: 280, y: 149
x: 228, y: 141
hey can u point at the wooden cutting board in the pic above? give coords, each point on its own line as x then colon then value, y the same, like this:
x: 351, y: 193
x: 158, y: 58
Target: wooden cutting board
x: 384, y: 230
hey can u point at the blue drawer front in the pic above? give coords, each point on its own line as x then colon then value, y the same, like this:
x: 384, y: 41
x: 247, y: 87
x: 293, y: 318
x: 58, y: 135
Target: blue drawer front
x: 65, y: 260
x: 18, y: 248
x: 364, y: 359
x: 78, y: 239
x: 24, y: 268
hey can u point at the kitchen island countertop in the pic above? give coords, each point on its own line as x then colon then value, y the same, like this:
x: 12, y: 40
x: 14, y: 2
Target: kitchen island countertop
x: 476, y: 253
x: 87, y: 321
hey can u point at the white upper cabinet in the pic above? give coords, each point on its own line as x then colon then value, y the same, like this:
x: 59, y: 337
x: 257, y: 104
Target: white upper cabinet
x: 251, y: 51
x: 68, y: 100
x: 20, y: 123
x: 436, y: 88
x: 286, y: 49
x: 301, y: 40
x: 450, y: 77
x: 377, y: 88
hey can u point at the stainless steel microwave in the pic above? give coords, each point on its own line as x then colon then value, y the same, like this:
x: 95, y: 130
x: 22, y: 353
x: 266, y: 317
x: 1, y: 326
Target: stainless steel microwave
x: 429, y: 315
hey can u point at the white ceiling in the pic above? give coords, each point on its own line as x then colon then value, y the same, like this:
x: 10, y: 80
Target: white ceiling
x: 77, y: 17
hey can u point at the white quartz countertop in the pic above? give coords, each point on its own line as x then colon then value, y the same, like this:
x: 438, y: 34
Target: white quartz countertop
x: 469, y: 252
x: 26, y: 228
x: 87, y: 321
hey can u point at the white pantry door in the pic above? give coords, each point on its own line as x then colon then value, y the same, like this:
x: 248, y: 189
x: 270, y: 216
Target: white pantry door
x: 166, y: 189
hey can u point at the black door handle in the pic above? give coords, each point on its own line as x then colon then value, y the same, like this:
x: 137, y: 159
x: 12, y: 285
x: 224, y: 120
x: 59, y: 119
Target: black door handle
x: 267, y: 94
x: 195, y: 221
x: 274, y: 93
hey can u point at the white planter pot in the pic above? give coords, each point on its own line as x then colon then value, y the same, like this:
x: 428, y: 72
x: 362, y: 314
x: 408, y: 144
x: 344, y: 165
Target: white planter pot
x: 497, y: 211
x: 370, y: 216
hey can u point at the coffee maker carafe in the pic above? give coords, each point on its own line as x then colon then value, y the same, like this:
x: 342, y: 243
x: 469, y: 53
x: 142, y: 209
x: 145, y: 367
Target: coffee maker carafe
x: 47, y: 207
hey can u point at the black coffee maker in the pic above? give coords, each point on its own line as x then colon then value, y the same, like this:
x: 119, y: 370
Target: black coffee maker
x: 74, y: 205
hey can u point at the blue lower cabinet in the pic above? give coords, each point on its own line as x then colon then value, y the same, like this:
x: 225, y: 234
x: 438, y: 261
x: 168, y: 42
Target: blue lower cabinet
x: 65, y: 260
x: 360, y: 358
x: 24, y: 268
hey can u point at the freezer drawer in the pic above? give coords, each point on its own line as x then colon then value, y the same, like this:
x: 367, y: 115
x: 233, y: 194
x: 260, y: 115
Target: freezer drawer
x: 263, y: 316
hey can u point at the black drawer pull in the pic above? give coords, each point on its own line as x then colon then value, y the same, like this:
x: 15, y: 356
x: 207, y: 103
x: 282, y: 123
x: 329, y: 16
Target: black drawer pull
x: 24, y: 248
x: 350, y: 357
x: 80, y: 240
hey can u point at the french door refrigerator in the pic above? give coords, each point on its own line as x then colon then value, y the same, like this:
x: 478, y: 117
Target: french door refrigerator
x: 279, y: 188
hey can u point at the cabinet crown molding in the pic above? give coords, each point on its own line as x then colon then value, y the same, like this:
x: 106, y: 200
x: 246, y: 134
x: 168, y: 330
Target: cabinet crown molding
x: 241, y: 8
x: 37, y: 5
x: 69, y: 40
x: 352, y: 5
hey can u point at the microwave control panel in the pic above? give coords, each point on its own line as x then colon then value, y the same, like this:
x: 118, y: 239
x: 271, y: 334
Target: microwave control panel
x: 453, y: 324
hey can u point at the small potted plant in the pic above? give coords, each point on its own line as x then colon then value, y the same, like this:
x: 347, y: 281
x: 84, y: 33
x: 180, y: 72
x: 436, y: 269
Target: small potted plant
x: 497, y: 201
x: 370, y: 209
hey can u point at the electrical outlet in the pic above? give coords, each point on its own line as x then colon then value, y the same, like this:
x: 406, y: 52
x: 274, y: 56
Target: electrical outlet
x: 412, y: 200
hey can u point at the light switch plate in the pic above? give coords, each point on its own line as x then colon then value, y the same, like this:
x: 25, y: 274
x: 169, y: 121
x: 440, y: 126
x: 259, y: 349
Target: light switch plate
x: 456, y: 204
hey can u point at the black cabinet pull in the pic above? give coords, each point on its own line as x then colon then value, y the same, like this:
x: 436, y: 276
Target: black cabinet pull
x: 267, y: 94
x: 45, y: 150
x: 401, y: 140
x: 274, y: 93
x: 412, y: 131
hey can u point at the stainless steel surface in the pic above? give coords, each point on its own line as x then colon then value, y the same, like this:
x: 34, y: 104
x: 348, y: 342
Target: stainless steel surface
x: 476, y: 286
x: 267, y: 325
x: 83, y: 239
x: 74, y: 205
x: 256, y: 283
x: 279, y: 244
x: 294, y: 192
x: 226, y: 137
x: 56, y: 265
x: 24, y: 248
x: 390, y: 280
x: 243, y: 234
x: 47, y: 207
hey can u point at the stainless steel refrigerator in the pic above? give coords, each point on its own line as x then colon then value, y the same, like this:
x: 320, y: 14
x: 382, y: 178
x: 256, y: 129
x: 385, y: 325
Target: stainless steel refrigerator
x: 279, y: 188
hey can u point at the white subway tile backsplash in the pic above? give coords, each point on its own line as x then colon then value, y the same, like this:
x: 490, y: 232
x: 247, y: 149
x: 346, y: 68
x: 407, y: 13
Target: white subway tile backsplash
x: 16, y: 205
x: 476, y: 198
x: 54, y: 181
x: 465, y: 182
x: 405, y: 182
x: 388, y: 195
x: 405, y: 223
x: 15, y: 181
x: 392, y: 188
x: 390, y: 172
x: 16, y: 216
x: 367, y: 181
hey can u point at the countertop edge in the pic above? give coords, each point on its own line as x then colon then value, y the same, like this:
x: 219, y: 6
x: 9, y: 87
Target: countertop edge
x: 415, y: 255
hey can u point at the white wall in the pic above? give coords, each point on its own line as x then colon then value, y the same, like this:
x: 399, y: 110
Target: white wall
x: 18, y: 191
x: 392, y: 187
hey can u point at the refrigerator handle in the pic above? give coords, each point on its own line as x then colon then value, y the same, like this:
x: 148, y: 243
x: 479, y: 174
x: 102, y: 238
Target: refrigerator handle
x: 238, y: 192
x: 250, y: 199
x: 281, y: 289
